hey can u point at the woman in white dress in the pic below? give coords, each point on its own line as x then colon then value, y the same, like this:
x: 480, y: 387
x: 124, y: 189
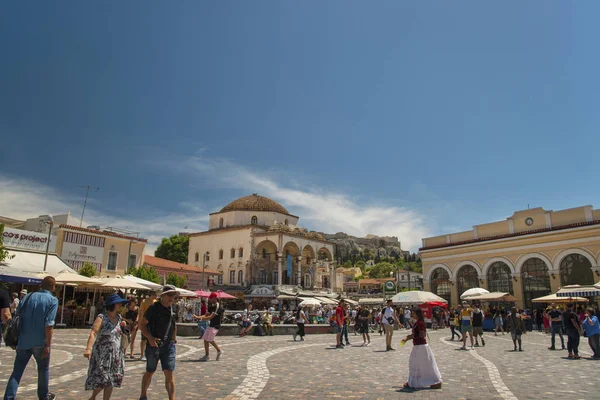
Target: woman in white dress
x: 423, y: 371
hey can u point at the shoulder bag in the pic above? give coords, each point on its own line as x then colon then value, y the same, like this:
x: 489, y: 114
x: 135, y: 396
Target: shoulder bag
x: 13, y: 326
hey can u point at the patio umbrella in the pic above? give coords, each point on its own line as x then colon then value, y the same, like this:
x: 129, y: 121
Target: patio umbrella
x: 120, y: 283
x: 223, y: 295
x: 186, y: 293
x: 416, y: 297
x: 202, y: 293
x: 151, y: 285
x: 473, y: 292
x: 66, y: 277
x: 308, y: 302
x: 494, y: 296
x: 553, y: 298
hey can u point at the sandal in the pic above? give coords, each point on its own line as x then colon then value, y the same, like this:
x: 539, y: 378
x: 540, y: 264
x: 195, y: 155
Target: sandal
x: 406, y: 386
x: 436, y: 386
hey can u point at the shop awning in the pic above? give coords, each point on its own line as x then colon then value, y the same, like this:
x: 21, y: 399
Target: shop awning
x: 352, y: 302
x: 325, y: 300
x: 26, y: 265
x: 285, y: 297
x: 553, y: 298
x: 579, y: 291
x: 8, y: 274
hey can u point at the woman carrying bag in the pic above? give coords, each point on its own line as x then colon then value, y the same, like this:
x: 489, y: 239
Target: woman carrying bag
x: 107, y: 361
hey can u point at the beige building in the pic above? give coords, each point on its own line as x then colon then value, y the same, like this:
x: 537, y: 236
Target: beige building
x: 530, y: 254
x: 110, y: 252
x: 255, y: 241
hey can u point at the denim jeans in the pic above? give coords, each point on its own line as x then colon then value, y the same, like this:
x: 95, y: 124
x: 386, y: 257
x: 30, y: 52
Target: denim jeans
x: 573, y: 342
x: 345, y: 333
x: 21, y: 360
x: 202, y: 325
x: 557, y: 328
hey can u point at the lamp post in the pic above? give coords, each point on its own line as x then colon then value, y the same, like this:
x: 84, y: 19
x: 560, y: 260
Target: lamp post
x: 203, y: 265
x: 50, y: 221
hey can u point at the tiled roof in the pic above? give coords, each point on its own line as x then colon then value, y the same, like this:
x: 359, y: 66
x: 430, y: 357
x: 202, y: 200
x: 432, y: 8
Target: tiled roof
x: 509, y: 235
x: 103, y: 233
x: 175, y: 266
x: 375, y: 281
x: 255, y: 203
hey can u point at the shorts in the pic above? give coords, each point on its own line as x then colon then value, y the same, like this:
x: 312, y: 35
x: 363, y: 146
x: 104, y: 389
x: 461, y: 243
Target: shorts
x: 245, y: 324
x: 339, y: 328
x: 515, y: 336
x: 466, y: 328
x: 165, y: 353
x: 209, y: 334
x: 498, y: 322
x: 477, y: 330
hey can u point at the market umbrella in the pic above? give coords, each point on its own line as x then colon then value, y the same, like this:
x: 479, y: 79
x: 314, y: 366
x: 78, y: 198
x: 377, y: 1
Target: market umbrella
x: 494, y: 296
x: 186, y: 293
x: 416, y: 297
x: 553, y: 298
x: 66, y: 277
x: 309, y: 302
x: 202, y: 293
x: 473, y: 292
x: 223, y: 295
x: 120, y: 283
x: 149, y: 284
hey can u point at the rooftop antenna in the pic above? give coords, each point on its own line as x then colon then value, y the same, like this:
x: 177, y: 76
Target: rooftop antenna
x: 87, y: 191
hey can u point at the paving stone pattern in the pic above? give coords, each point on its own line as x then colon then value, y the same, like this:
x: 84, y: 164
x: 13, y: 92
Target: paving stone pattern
x: 279, y: 368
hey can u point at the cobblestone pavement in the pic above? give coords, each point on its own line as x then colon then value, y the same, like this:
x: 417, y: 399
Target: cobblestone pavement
x: 279, y: 368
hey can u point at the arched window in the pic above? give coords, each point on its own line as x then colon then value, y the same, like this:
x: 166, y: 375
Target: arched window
x: 220, y: 254
x: 467, y: 279
x: 286, y: 221
x: 500, y: 278
x: 232, y: 253
x: 232, y: 276
x: 197, y: 257
x: 440, y: 283
x: 240, y: 276
x: 264, y: 253
x: 241, y: 252
x: 220, y: 279
x: 207, y: 256
x: 254, y: 220
x: 536, y: 282
x: 220, y: 222
x: 576, y: 269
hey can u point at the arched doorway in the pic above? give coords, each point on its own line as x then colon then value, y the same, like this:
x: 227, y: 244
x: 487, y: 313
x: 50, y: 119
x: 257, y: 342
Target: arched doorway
x: 467, y: 278
x: 308, y: 257
x: 576, y: 269
x: 500, y: 278
x: 536, y: 282
x: 440, y: 284
x: 291, y: 251
x: 264, y: 268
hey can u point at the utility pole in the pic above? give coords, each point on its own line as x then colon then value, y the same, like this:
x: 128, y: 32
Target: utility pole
x: 87, y: 191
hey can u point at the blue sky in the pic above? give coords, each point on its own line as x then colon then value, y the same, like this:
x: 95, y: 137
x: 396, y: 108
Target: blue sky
x: 398, y: 118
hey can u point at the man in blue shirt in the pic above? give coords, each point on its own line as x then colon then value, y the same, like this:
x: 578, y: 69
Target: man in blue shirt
x: 37, y: 311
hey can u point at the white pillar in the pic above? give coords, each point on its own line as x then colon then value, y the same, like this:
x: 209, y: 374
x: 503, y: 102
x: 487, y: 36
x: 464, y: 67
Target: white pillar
x: 279, y: 269
x: 299, y: 271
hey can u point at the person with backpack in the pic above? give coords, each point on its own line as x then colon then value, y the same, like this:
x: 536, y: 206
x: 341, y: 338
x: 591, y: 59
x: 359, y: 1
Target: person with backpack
x: 214, y: 316
x: 478, y: 325
x: 571, y: 321
x: 36, y: 315
x: 516, y: 327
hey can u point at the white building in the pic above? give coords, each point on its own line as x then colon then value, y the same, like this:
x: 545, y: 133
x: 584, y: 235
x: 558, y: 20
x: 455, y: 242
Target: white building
x: 38, y: 224
x: 255, y: 241
x: 409, y: 279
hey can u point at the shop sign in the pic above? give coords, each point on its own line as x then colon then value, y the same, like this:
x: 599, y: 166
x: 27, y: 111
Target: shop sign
x: 76, y: 252
x: 28, y: 240
x: 211, y: 282
x: 390, y: 286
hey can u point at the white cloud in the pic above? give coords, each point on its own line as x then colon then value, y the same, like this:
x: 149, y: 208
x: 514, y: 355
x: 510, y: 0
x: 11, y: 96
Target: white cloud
x: 325, y: 209
x: 22, y: 198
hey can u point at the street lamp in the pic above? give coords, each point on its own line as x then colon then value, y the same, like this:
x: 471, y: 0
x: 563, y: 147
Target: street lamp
x: 203, y: 264
x: 47, y: 219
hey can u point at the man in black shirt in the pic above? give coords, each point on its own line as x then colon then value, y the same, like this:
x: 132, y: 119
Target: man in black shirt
x: 478, y: 325
x: 214, y: 315
x: 556, y: 326
x: 158, y: 325
x: 573, y: 331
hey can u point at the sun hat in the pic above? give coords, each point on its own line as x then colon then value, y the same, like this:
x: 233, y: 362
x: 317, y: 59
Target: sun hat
x: 114, y: 299
x: 168, y: 289
x: 24, y: 291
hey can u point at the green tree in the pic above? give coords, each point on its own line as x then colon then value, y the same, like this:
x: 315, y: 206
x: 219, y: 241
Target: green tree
x: 360, y: 264
x: 174, y: 248
x: 145, y: 272
x: 381, y: 270
x: 3, y: 252
x: 176, y: 280
x: 348, y: 264
x: 87, y: 269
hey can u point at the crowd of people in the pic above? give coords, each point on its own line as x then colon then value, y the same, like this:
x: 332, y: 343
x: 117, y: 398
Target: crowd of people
x: 113, y: 333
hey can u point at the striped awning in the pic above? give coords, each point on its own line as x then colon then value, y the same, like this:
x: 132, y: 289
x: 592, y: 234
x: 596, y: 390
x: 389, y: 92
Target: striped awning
x: 582, y: 291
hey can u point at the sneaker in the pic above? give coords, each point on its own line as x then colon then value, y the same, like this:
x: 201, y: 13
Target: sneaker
x: 348, y: 344
x: 51, y: 396
x: 482, y: 342
x: 520, y: 349
x: 339, y: 346
x: 476, y: 345
x: 463, y: 348
x: 368, y: 344
x: 552, y: 348
x: 472, y: 348
x: 143, y: 397
x: 301, y: 339
x: 204, y: 359
x: 294, y: 337
x: 564, y: 348
x: 515, y: 349
x: 392, y: 349
x: 143, y: 358
x: 219, y: 354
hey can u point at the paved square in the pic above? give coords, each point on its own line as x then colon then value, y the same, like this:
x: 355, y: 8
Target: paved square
x: 279, y: 368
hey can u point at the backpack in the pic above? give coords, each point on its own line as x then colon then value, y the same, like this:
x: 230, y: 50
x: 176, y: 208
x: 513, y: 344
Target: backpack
x: 13, y: 326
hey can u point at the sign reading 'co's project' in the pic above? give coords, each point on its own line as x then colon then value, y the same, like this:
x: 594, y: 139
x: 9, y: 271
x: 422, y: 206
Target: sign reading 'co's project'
x: 27, y: 240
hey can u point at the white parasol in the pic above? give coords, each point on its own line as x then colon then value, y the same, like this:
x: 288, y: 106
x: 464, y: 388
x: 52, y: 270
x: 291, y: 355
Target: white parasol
x: 416, y: 297
x: 473, y: 292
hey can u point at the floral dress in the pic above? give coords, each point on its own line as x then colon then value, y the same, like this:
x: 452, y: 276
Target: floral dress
x: 107, y: 364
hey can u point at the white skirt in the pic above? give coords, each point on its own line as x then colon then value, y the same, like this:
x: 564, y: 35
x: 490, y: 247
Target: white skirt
x: 422, y: 368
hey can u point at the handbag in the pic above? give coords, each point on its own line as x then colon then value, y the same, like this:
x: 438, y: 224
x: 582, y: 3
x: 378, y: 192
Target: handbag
x: 13, y: 327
